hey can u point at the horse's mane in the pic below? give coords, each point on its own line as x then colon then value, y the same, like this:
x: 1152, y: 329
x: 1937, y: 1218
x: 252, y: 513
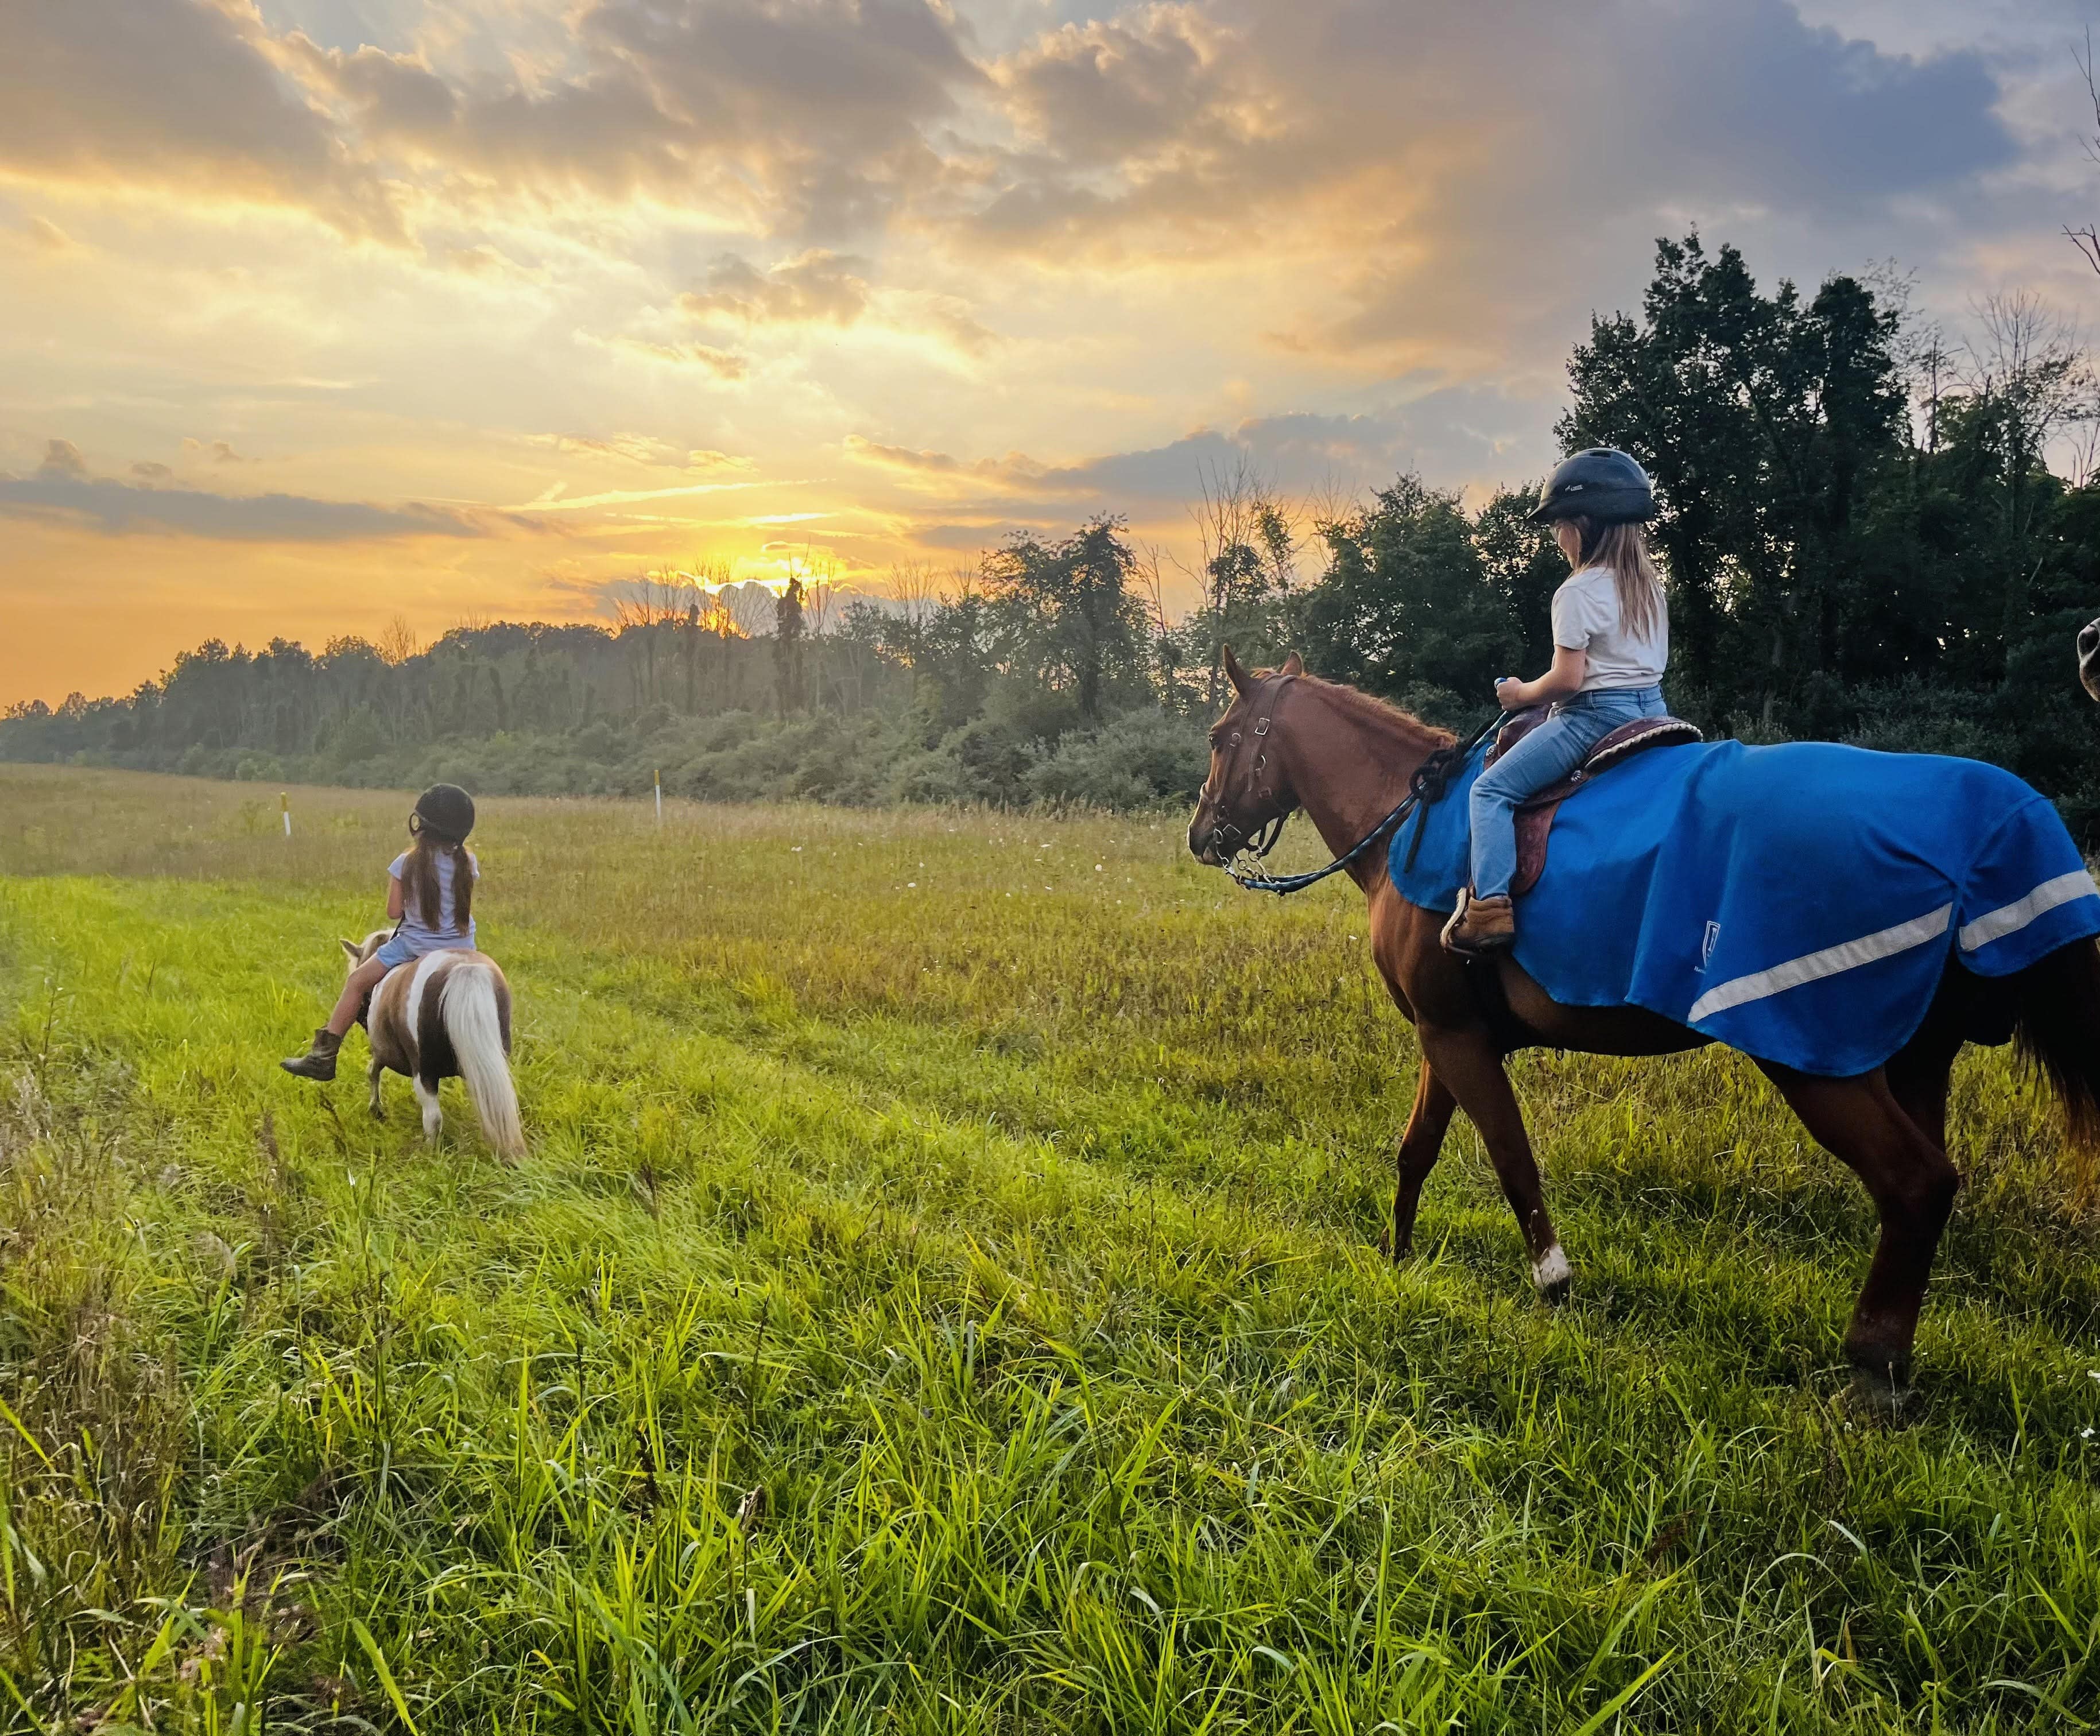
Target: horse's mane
x: 1381, y: 714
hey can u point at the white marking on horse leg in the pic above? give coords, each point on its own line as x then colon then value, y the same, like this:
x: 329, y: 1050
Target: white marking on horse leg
x: 1550, y: 1269
x: 433, y: 1120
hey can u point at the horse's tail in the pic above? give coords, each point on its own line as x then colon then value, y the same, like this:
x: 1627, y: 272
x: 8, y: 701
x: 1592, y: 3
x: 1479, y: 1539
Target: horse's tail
x: 477, y: 1007
x: 2057, y: 1030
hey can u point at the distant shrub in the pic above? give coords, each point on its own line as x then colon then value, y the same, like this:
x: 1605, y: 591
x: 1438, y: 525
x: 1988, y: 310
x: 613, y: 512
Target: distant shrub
x: 1132, y: 761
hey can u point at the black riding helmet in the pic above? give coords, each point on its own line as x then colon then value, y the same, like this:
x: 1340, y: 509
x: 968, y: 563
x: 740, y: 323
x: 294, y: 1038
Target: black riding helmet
x: 1602, y: 484
x: 446, y: 810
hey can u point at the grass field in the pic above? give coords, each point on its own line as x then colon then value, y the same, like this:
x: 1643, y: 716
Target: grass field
x: 944, y: 1295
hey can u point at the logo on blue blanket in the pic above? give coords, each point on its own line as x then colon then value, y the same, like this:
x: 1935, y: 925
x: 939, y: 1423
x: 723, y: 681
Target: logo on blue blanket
x: 1706, y: 947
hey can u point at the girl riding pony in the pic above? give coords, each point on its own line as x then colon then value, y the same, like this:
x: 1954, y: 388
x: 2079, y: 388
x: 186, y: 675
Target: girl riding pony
x: 1611, y: 642
x: 430, y: 894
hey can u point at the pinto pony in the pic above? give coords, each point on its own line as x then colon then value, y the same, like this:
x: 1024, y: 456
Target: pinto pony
x: 446, y: 1015
x: 1290, y: 740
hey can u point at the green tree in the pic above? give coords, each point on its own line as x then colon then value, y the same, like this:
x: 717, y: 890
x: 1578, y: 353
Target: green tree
x: 787, y: 636
x: 1068, y: 614
x: 1406, y: 606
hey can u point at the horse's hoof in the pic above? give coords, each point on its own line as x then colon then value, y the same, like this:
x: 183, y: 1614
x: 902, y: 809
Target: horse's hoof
x: 1553, y: 1275
x: 1882, y: 1397
x: 1553, y: 1295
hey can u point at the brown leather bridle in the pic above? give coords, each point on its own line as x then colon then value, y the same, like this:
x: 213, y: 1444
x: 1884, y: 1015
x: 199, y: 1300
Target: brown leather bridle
x: 1231, y: 841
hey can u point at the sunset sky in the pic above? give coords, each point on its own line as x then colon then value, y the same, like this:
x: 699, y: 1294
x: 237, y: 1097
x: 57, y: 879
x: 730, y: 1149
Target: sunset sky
x: 315, y: 312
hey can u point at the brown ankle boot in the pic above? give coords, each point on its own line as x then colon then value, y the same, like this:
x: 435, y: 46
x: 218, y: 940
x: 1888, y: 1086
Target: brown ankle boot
x: 1481, y: 928
x: 318, y: 1062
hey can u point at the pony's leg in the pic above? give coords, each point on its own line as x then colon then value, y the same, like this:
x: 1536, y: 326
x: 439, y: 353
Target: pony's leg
x: 1860, y: 1121
x: 427, y: 1096
x: 1419, y: 1149
x: 1470, y: 1067
x: 372, y: 1072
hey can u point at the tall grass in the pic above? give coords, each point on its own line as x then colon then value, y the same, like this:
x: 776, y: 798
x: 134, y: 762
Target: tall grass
x: 944, y: 1295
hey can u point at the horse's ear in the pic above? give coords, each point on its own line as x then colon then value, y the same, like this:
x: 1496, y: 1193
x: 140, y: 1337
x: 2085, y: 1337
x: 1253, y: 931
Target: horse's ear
x: 1236, y: 675
x: 1294, y: 664
x: 351, y: 947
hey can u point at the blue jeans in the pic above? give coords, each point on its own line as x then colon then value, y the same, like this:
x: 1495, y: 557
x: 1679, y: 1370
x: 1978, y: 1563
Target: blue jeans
x: 1545, y: 756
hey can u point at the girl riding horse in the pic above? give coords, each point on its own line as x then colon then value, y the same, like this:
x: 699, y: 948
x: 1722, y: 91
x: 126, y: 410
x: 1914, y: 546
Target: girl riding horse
x: 429, y: 895
x: 1611, y: 642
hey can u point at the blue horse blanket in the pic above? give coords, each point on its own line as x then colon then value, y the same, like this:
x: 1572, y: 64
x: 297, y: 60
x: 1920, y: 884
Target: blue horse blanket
x: 1797, y: 902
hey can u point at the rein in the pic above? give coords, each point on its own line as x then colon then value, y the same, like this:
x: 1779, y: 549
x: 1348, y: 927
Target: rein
x: 1424, y: 789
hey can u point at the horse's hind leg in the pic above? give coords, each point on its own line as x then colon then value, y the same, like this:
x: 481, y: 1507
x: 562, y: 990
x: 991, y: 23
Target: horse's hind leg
x: 1470, y: 1067
x: 1419, y: 1149
x: 427, y: 1096
x: 373, y: 1073
x: 1917, y: 1075
x: 1860, y: 1121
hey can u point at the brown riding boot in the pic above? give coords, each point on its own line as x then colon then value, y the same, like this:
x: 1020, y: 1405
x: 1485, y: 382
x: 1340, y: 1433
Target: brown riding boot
x: 1481, y: 928
x: 318, y: 1062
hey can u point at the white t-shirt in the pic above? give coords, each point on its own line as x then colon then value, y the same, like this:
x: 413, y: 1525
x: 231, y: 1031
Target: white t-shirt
x: 1585, y: 618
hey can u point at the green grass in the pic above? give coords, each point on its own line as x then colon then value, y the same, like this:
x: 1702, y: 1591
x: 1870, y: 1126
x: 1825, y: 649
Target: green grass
x: 943, y: 1295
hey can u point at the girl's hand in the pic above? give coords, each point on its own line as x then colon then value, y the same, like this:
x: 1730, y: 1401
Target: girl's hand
x: 1509, y: 693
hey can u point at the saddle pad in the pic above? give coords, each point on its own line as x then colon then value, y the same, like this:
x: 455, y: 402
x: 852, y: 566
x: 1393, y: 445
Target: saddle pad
x: 1797, y: 903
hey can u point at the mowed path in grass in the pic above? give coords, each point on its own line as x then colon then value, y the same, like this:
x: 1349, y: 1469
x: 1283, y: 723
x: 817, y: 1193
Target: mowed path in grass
x: 943, y: 1294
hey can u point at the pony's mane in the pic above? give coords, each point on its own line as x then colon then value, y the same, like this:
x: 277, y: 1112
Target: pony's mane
x: 1381, y: 713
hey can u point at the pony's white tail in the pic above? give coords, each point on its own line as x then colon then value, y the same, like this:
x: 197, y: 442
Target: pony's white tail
x: 476, y: 1030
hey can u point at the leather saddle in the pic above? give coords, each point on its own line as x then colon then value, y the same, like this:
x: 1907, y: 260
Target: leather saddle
x: 1534, y: 819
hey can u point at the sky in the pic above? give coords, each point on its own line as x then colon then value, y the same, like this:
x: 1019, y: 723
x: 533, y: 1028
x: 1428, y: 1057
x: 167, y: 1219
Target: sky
x: 317, y: 313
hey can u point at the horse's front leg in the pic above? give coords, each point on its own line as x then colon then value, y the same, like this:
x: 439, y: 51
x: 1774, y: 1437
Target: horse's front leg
x: 434, y: 1119
x: 372, y: 1071
x: 1470, y: 1066
x: 1419, y: 1149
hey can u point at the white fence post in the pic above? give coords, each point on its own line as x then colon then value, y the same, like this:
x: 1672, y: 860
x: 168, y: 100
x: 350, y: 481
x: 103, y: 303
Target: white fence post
x: 284, y: 804
x: 660, y: 796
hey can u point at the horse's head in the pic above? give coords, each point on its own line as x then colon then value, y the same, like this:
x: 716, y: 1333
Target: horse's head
x: 1247, y: 791
x: 2088, y: 657
x: 361, y: 951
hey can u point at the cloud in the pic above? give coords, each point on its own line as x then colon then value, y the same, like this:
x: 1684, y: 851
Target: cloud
x: 62, y: 459
x: 220, y: 452
x: 724, y: 365
x: 1477, y: 437
x: 176, y: 96
x: 62, y: 490
x: 46, y: 235
x: 643, y: 449
x: 150, y: 470
x: 1445, y: 177
x: 815, y: 288
x: 807, y: 115
x: 555, y: 501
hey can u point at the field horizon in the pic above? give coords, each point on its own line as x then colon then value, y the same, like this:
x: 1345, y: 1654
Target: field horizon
x: 944, y: 1294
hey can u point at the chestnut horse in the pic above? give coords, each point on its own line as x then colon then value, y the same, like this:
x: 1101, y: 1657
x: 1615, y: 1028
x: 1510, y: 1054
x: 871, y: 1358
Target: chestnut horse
x: 1291, y: 740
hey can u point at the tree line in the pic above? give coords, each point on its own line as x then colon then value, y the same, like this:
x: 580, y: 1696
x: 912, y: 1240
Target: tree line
x: 1872, y: 531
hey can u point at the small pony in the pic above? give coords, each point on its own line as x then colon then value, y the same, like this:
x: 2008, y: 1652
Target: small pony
x: 446, y: 1015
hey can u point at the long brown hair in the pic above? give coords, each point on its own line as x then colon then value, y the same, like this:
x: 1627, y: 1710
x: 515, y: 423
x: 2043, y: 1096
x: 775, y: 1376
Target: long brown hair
x: 1622, y: 551
x: 419, y: 877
